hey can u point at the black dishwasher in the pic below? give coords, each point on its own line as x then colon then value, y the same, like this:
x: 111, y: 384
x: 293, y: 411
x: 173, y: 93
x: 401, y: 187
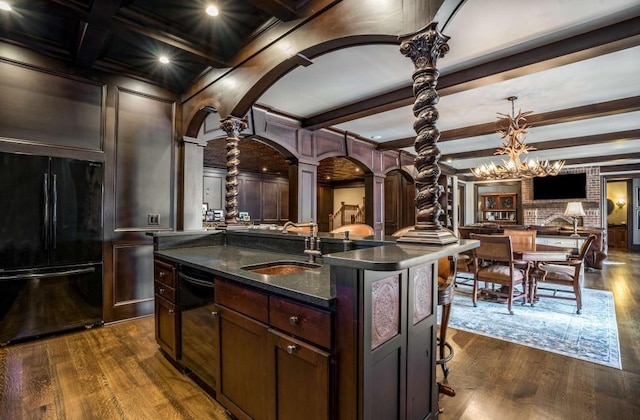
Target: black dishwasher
x: 198, y: 332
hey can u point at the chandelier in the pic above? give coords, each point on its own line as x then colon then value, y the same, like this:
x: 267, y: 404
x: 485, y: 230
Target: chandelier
x: 513, y: 132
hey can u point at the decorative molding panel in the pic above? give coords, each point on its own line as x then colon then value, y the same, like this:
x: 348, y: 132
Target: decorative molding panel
x: 385, y: 310
x: 422, y: 287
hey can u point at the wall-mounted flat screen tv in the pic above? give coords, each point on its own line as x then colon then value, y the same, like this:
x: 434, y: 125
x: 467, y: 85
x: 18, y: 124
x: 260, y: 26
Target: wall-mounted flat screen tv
x: 560, y: 187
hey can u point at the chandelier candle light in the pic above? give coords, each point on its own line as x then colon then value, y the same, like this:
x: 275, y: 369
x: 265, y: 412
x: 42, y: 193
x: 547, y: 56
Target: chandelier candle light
x: 514, y: 128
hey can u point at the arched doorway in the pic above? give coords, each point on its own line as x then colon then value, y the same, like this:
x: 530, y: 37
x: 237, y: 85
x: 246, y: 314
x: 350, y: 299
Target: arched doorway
x: 341, y: 188
x: 263, y: 180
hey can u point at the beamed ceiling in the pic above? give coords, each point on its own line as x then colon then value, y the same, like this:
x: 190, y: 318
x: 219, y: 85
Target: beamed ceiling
x: 574, y: 63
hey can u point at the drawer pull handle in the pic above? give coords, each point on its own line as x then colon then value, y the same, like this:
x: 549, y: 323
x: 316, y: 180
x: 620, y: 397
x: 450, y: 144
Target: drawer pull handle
x: 291, y: 348
x: 214, y: 313
x: 162, y: 290
x: 293, y: 320
x: 171, y: 311
x: 162, y: 274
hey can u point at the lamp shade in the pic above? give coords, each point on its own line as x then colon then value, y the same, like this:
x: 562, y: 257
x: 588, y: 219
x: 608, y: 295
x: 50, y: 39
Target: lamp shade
x: 574, y: 209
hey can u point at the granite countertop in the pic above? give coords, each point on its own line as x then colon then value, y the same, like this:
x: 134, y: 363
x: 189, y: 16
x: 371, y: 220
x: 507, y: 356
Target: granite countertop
x: 397, y: 256
x: 312, y: 286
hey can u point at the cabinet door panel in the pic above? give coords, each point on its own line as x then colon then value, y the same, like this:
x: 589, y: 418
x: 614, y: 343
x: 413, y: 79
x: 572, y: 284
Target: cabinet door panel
x: 243, y: 387
x: 166, y: 326
x: 299, y: 378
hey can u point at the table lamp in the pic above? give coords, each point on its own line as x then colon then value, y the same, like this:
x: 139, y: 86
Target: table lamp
x: 574, y: 209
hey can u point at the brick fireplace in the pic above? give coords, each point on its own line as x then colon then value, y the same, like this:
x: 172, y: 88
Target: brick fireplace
x: 546, y: 212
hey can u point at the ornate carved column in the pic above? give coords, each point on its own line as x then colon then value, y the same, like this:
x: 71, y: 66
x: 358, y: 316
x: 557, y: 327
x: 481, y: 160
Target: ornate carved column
x: 424, y: 48
x: 232, y: 126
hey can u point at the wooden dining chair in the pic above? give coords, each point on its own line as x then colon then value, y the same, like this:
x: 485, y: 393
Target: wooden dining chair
x: 523, y: 240
x: 565, y: 273
x: 495, y: 264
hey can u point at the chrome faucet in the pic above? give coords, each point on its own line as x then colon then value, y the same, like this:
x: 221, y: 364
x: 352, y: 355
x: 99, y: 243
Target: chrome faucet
x: 311, y: 242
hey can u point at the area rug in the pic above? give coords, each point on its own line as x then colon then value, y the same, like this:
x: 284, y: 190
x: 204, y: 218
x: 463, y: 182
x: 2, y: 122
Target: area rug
x: 551, y: 325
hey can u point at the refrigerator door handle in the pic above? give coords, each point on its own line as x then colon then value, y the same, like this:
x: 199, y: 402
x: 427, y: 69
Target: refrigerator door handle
x: 45, y: 275
x: 45, y: 226
x: 54, y: 222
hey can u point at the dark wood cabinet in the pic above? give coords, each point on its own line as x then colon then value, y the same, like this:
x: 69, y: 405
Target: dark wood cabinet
x: 617, y: 237
x: 167, y: 322
x: 499, y: 208
x: 264, y: 372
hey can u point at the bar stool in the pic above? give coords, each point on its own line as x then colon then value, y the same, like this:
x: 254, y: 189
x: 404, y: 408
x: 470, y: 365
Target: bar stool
x: 446, y: 288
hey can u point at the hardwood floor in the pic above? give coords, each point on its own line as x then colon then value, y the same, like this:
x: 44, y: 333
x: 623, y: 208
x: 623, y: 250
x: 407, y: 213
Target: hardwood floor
x: 117, y: 372
x: 112, y: 372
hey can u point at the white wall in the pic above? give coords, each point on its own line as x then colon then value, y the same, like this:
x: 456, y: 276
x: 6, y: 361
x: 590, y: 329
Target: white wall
x: 348, y: 195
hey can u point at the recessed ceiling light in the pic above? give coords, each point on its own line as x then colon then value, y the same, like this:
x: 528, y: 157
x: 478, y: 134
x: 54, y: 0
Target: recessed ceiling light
x: 212, y: 10
x: 5, y: 6
x: 357, y: 169
x: 163, y: 59
x: 264, y: 169
x: 376, y: 137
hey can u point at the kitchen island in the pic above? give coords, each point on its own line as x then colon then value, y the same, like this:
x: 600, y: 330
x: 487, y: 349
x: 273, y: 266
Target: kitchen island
x: 352, y: 337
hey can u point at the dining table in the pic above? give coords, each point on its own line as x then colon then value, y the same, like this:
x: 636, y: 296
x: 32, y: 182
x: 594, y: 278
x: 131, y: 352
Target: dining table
x: 537, y: 257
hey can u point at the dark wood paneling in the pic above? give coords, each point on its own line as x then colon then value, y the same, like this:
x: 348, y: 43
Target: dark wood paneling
x: 392, y: 193
x: 51, y: 109
x: 325, y: 207
x: 271, y: 194
x: 132, y: 280
x: 143, y: 161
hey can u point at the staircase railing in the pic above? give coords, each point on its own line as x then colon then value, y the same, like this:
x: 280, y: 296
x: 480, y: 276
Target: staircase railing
x: 347, y: 214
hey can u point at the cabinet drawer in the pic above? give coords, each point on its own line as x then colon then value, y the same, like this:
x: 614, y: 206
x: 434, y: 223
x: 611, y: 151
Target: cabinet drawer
x: 164, y: 273
x: 165, y: 291
x: 310, y: 324
x: 560, y: 242
x: 246, y: 301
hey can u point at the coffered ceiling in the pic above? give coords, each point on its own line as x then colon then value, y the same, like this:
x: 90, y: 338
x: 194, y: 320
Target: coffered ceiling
x: 574, y: 63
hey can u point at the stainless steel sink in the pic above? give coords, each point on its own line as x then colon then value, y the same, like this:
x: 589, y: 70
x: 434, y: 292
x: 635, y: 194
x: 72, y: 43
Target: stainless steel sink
x: 279, y: 268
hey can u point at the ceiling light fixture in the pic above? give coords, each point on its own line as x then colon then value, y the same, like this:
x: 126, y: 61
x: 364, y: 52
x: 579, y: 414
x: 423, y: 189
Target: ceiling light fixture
x: 514, y: 131
x: 164, y: 59
x: 5, y: 6
x: 212, y: 10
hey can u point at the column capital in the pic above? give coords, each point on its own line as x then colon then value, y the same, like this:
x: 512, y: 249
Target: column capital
x: 233, y: 126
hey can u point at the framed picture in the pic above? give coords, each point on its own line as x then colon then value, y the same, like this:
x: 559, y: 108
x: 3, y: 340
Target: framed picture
x: 638, y: 221
x: 638, y: 196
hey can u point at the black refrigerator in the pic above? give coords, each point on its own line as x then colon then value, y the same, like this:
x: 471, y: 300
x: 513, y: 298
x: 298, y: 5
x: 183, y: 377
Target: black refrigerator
x: 51, y: 235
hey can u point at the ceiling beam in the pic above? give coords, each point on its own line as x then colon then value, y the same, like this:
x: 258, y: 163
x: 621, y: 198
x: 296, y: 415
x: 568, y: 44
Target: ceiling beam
x: 605, y: 40
x: 555, y: 144
x: 599, y: 159
x: 282, y: 9
x: 136, y: 21
x: 632, y: 167
x: 94, y: 34
x: 602, y: 109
